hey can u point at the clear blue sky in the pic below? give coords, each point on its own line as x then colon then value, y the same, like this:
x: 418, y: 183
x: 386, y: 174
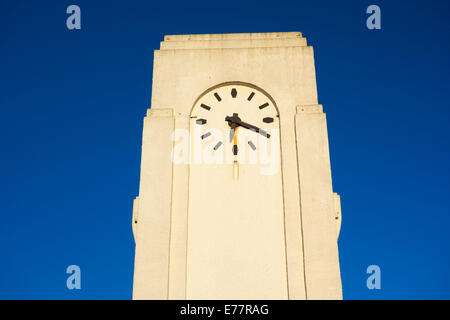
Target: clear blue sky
x: 72, y: 105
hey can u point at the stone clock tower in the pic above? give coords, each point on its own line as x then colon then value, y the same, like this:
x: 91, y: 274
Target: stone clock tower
x: 235, y: 198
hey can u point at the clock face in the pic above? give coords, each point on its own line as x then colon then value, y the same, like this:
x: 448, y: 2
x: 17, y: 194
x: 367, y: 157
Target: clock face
x: 236, y: 245
x: 234, y: 123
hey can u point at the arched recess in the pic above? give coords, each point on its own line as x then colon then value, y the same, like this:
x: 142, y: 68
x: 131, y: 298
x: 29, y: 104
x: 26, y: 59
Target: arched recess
x: 236, y: 246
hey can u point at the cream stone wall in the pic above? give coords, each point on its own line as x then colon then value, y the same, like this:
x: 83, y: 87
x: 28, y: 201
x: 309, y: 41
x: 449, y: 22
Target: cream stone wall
x: 282, y: 65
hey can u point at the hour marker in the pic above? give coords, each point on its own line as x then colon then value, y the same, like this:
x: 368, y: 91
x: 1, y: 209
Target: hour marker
x: 250, y: 97
x: 268, y: 120
x: 235, y: 150
x: 252, y: 145
x: 204, y: 106
x: 200, y: 121
x: 263, y: 105
x: 233, y: 93
x: 217, y: 146
x: 217, y: 96
x: 206, y: 135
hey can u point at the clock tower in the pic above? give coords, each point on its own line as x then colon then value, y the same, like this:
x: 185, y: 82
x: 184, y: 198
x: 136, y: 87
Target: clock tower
x: 235, y: 197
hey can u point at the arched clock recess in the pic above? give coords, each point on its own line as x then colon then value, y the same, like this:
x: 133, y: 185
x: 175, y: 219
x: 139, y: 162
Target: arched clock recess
x: 236, y: 237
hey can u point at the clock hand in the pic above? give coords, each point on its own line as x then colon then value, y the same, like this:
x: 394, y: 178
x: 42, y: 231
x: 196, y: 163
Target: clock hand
x: 233, y: 122
x: 235, y: 152
x: 254, y: 128
x: 237, y: 121
x: 235, y: 147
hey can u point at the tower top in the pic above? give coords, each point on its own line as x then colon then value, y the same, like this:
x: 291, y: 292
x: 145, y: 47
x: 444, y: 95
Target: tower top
x: 233, y: 41
x: 234, y: 36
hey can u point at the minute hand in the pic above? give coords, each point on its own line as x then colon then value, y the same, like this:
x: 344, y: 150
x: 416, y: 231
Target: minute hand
x: 250, y: 127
